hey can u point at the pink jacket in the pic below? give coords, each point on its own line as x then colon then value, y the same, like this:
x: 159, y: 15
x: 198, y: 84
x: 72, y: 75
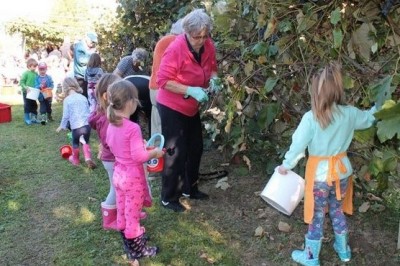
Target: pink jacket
x: 178, y: 64
x: 98, y: 121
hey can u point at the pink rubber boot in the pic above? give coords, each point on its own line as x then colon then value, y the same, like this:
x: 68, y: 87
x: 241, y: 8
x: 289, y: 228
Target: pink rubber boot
x: 88, y: 156
x: 109, y: 214
x: 74, y: 158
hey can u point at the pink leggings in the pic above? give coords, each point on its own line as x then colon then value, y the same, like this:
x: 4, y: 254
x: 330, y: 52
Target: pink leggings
x: 132, y: 193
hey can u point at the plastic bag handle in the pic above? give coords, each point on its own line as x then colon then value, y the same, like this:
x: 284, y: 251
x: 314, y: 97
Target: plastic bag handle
x: 151, y: 141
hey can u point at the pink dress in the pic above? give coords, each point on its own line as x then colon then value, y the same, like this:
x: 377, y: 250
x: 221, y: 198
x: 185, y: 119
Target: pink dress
x: 127, y: 145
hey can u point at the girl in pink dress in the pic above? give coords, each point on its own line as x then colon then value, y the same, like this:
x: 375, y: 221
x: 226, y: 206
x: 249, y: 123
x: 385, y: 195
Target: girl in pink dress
x: 125, y: 141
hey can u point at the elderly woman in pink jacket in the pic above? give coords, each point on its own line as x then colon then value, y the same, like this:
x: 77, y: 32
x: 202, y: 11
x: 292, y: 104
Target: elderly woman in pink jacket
x: 185, y: 71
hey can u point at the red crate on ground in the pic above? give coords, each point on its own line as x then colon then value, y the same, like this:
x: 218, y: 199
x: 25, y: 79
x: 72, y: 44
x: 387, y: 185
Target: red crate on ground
x: 5, y: 113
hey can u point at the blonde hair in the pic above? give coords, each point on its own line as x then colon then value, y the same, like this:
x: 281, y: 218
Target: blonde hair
x: 70, y: 83
x: 327, y: 92
x: 31, y: 62
x: 119, y: 94
x: 101, y: 87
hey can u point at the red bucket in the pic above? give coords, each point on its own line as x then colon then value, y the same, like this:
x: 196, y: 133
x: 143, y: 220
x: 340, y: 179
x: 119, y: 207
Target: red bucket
x: 66, y: 151
x: 155, y: 165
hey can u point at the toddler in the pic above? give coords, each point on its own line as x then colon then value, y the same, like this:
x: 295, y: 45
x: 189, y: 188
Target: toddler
x: 98, y: 121
x: 76, y: 114
x: 45, y: 83
x: 326, y: 131
x: 92, y: 75
x: 125, y: 141
x: 27, y: 81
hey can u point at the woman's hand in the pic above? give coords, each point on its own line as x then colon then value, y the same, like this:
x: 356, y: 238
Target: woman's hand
x: 282, y: 170
x: 198, y: 93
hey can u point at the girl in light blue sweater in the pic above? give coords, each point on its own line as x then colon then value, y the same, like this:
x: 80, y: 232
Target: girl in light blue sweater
x: 326, y: 131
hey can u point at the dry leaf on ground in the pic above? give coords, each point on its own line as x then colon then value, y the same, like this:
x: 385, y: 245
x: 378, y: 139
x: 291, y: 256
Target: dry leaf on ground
x: 284, y: 227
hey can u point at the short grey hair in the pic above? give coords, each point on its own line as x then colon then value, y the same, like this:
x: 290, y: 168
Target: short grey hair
x: 139, y: 54
x: 196, y: 21
x: 176, y: 28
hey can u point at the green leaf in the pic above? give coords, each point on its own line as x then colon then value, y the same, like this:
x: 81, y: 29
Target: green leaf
x: 272, y: 50
x: 304, y: 22
x: 376, y: 166
x: 337, y: 38
x: 284, y: 26
x: 267, y: 115
x: 335, y: 16
x: 270, y: 84
x: 348, y: 82
x: 389, y: 125
x: 382, y: 91
x: 248, y: 68
x: 365, y: 135
x: 389, y: 161
x: 260, y: 48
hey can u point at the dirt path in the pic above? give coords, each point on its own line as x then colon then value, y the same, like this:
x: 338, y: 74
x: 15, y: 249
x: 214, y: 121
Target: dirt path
x: 239, y: 210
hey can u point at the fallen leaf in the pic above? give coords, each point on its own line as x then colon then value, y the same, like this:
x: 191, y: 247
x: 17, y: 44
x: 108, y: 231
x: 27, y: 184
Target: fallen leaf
x: 247, y: 161
x: 223, y: 183
x: 259, y: 232
x: 373, y: 197
x: 284, y: 227
x: 206, y: 257
x: 364, y: 207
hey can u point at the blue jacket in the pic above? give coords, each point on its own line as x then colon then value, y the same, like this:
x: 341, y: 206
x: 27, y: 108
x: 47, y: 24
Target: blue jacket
x: 42, y: 82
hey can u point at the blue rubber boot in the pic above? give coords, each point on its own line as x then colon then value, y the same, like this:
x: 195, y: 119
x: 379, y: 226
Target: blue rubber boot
x: 310, y: 255
x: 27, y: 119
x: 341, y: 246
x: 34, y: 119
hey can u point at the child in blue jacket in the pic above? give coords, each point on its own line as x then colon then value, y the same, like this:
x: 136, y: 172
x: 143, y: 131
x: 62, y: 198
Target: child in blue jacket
x: 45, y: 83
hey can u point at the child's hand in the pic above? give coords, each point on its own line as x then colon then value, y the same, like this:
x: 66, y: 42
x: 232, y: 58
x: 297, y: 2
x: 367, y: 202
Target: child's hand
x: 282, y: 170
x: 59, y: 129
x: 160, y: 153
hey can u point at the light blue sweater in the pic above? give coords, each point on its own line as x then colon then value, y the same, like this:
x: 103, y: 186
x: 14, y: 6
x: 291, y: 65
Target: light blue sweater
x: 334, y: 139
x: 75, y: 111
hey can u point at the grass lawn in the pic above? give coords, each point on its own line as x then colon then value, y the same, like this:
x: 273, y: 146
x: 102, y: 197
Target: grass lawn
x: 50, y: 210
x: 50, y: 214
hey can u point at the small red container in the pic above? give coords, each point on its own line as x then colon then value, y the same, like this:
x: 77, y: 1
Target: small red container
x: 5, y: 113
x: 66, y: 151
x: 155, y: 165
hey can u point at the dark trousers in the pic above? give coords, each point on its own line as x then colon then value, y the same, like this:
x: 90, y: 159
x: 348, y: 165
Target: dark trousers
x: 45, y: 106
x: 78, y: 132
x: 83, y: 84
x: 30, y: 106
x: 184, y: 145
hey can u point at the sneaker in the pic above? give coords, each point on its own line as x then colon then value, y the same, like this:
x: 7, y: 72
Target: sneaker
x: 43, y: 119
x: 198, y: 195
x: 176, y: 206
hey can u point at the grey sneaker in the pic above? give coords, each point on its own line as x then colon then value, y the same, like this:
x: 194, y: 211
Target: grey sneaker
x: 43, y: 119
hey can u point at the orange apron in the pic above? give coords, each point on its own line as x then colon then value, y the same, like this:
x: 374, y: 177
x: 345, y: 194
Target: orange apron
x: 333, y: 176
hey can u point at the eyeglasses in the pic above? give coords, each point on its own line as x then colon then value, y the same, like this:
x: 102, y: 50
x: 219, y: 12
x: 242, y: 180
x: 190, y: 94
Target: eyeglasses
x: 197, y: 38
